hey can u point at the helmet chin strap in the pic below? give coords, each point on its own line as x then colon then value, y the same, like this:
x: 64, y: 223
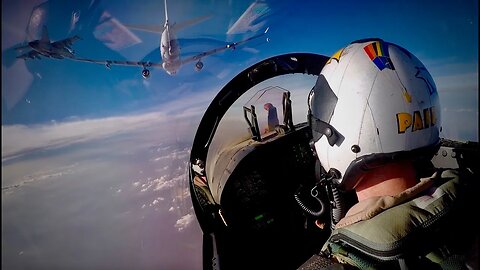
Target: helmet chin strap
x: 320, y: 128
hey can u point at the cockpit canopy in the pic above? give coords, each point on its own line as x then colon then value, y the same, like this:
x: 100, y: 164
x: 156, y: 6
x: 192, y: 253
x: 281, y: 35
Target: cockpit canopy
x: 257, y: 117
x: 250, y: 154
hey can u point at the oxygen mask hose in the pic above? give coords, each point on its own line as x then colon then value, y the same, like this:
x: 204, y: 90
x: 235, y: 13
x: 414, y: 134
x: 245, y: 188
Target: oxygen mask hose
x: 338, y: 204
x: 308, y: 209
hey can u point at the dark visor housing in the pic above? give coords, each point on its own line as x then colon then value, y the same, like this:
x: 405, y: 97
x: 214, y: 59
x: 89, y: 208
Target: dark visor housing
x: 322, y: 102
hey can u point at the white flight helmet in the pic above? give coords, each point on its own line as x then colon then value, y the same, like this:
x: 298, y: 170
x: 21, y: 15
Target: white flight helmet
x: 373, y: 102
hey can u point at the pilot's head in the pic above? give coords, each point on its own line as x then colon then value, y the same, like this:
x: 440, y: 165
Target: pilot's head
x: 374, y: 102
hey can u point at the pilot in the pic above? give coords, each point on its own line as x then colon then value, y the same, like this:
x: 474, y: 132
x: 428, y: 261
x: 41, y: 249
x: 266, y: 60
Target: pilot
x: 272, y: 116
x: 374, y: 113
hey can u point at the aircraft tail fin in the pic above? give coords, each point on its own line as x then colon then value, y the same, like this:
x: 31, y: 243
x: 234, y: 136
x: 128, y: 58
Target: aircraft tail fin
x: 174, y: 27
x: 45, y: 37
x: 166, y: 11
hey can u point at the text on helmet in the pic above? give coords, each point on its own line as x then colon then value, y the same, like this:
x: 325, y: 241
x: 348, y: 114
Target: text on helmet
x: 417, y: 121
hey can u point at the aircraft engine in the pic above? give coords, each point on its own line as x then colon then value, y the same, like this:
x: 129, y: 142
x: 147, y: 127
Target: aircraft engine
x: 145, y: 73
x: 198, y: 66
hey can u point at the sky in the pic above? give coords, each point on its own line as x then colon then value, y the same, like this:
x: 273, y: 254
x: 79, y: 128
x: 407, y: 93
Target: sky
x: 94, y: 160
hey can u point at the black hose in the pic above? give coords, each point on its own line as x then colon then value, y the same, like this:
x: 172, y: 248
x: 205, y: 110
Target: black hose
x: 308, y: 209
x: 339, y: 209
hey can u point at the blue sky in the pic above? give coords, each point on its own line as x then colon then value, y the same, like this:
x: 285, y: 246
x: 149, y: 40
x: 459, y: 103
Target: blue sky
x: 78, y: 128
x: 443, y: 35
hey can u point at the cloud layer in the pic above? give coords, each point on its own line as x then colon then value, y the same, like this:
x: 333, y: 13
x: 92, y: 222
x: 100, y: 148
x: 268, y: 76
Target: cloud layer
x: 21, y: 139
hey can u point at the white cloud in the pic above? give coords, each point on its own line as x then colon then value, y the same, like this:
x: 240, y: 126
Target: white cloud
x: 42, y: 175
x: 22, y: 139
x: 457, y: 82
x: 184, y: 222
x: 460, y: 124
x: 249, y: 20
x: 162, y: 183
x: 452, y: 74
x: 448, y: 110
x: 457, y: 85
x: 182, y: 194
x: 449, y: 66
x: 160, y: 158
x: 182, y: 154
x: 250, y: 50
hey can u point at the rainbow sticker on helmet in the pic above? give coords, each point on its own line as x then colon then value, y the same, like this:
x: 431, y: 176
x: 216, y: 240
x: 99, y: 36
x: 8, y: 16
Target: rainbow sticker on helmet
x: 378, y: 53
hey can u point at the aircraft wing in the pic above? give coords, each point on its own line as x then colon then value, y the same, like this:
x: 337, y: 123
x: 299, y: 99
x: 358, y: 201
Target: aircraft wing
x: 31, y: 54
x: 221, y: 49
x: 109, y: 63
x: 23, y: 47
x: 185, y: 24
x: 146, y: 28
x: 66, y: 42
x: 161, y: 28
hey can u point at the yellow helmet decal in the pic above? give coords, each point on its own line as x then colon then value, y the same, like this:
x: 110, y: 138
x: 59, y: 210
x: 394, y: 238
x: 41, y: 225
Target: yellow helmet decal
x: 336, y: 56
x: 406, y: 120
x: 407, y: 96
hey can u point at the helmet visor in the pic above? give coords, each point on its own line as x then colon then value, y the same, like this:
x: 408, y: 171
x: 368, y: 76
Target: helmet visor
x: 322, y: 102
